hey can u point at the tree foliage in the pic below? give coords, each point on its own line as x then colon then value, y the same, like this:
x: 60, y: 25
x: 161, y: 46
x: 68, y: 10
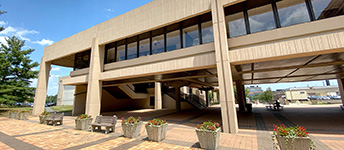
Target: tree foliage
x: 2, y: 12
x: 266, y: 96
x: 16, y: 72
x: 52, y: 98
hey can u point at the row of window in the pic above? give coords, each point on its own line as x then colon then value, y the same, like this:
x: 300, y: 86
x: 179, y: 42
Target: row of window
x: 191, y: 32
x: 254, y: 16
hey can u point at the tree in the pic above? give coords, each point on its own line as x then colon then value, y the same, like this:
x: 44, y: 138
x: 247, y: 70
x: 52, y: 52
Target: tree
x: 236, y: 93
x: 52, y: 98
x: 2, y: 12
x: 16, y: 72
x: 266, y: 96
x: 256, y: 97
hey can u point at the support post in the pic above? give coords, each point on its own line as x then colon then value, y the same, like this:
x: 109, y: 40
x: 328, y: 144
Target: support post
x: 240, y: 96
x: 178, y: 107
x: 207, y: 98
x: 158, y: 98
x: 341, y: 88
x: 41, y: 89
x: 228, y: 109
x: 94, y: 87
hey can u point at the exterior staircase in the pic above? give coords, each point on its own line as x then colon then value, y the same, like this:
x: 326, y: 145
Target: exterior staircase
x: 195, y: 101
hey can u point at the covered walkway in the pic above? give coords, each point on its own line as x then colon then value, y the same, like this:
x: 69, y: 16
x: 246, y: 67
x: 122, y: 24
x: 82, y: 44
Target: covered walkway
x: 323, y: 122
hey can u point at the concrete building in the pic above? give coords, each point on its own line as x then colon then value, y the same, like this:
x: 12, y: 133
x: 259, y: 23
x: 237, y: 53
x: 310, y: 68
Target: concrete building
x: 65, y: 93
x: 254, y: 90
x: 200, y: 44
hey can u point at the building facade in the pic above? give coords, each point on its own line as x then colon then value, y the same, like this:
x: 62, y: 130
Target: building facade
x: 65, y: 93
x: 201, y: 44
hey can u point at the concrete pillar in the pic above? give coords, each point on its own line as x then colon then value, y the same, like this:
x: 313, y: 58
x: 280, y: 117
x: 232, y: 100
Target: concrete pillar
x: 41, y: 89
x: 178, y: 106
x: 207, y: 98
x: 240, y: 96
x: 228, y: 109
x: 79, y: 103
x: 341, y: 88
x: 94, y: 88
x: 215, y: 97
x: 158, y: 97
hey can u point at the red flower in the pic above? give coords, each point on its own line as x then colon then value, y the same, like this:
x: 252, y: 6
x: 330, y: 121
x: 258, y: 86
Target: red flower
x: 213, y: 128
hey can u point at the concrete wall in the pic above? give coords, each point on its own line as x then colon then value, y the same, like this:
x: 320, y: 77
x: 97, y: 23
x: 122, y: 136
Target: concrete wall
x: 79, y: 99
x: 109, y: 103
x: 170, y: 103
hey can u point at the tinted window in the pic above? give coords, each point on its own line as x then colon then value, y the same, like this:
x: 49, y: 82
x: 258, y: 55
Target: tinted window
x: 292, y: 12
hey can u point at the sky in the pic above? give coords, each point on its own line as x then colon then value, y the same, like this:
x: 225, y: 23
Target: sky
x: 42, y: 22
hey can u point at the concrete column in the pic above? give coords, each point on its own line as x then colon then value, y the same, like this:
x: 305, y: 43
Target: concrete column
x: 158, y: 97
x: 228, y: 109
x: 240, y: 96
x: 41, y: 89
x: 341, y: 88
x: 207, y: 98
x: 94, y: 87
x: 178, y: 106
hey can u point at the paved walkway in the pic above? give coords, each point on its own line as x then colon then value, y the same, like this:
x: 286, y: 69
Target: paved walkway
x: 325, y: 124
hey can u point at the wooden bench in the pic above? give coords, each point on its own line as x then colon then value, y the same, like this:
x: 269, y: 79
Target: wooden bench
x: 108, y: 122
x: 54, y: 119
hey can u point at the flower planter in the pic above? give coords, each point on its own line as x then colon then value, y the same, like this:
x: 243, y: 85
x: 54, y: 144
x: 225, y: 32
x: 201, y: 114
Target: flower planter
x: 23, y: 116
x: 156, y: 133
x: 299, y: 143
x: 208, y: 139
x: 42, y: 119
x: 132, y: 130
x: 13, y: 115
x: 83, y: 124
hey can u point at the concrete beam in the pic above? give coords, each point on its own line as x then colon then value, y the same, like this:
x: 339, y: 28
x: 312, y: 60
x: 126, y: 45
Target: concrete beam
x: 94, y: 87
x: 228, y: 109
x: 41, y: 89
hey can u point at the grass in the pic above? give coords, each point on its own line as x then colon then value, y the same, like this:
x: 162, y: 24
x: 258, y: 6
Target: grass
x: 62, y: 108
x: 3, y: 111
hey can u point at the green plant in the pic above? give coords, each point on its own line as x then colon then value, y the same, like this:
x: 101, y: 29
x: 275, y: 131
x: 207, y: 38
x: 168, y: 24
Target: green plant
x: 45, y: 113
x: 156, y: 122
x: 131, y: 120
x: 291, y: 133
x: 208, y: 126
x: 24, y: 111
x: 84, y: 116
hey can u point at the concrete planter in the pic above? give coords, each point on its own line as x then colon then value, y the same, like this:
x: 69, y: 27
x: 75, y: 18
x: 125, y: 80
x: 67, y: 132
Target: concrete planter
x: 208, y: 139
x: 23, y: 116
x: 132, y: 130
x: 156, y: 133
x: 299, y: 143
x: 13, y: 115
x: 83, y: 124
x: 42, y: 119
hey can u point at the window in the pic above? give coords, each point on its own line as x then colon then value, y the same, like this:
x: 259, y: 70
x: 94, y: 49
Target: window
x: 235, y: 20
x: 261, y: 18
x: 110, y: 52
x: 207, y: 28
x: 190, y: 32
x: 327, y: 8
x: 132, y: 48
x: 158, y: 45
x: 121, y: 50
x: 292, y: 12
x: 82, y: 60
x: 144, y: 44
x: 173, y: 37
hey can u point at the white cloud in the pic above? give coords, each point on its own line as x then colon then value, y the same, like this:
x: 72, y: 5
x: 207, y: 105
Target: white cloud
x: 2, y: 23
x: 109, y: 10
x: 56, y: 69
x: 54, y: 76
x: 44, y: 42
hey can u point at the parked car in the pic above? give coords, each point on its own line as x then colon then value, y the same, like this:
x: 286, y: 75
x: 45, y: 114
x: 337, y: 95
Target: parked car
x: 29, y: 104
x: 50, y: 104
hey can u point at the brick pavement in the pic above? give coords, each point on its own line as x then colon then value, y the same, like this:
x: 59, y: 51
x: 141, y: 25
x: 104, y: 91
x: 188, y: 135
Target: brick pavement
x: 323, y: 123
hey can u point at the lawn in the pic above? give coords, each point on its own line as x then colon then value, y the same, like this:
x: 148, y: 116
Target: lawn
x: 3, y: 111
x: 62, y: 108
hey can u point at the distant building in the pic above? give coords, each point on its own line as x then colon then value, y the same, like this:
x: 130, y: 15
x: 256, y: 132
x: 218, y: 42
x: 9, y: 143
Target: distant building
x: 254, y: 90
x: 65, y: 94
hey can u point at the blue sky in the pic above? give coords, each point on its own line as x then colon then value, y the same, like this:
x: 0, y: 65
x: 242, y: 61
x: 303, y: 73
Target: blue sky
x: 43, y: 22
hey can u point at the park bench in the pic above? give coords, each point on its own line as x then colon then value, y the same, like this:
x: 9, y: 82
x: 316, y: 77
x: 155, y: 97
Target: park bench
x: 108, y: 122
x: 54, y: 118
